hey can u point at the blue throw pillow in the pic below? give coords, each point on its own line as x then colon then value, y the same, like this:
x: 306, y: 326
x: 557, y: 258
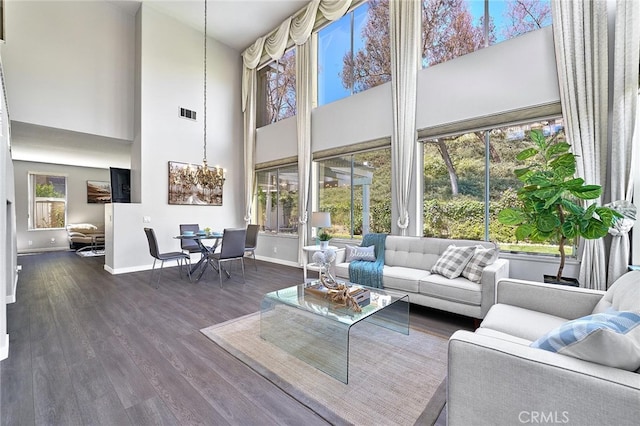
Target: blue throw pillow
x: 611, y: 338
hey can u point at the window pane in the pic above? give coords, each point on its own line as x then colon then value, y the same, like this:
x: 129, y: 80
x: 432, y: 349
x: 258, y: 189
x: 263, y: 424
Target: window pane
x: 450, y: 29
x: 277, y: 199
x: 356, y: 190
x: 454, y: 169
x: 512, y: 18
x: 278, y: 82
x: 267, y: 206
x: 48, y: 196
x: 288, y: 200
x: 372, y: 191
x: 371, y: 64
x: 508, y: 142
x: 334, y: 42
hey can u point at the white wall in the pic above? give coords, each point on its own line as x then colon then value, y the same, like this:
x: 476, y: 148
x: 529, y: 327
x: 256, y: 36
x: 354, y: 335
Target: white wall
x: 70, y: 65
x: 8, y: 272
x: 170, y: 77
x: 78, y: 209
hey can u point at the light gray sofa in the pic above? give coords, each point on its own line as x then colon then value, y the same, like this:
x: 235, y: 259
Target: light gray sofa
x: 496, y: 378
x: 407, y: 262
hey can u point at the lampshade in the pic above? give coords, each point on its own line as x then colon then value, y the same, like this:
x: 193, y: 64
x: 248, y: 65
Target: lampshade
x: 320, y: 219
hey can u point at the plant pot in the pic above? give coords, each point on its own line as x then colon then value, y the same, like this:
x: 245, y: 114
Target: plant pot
x: 551, y: 279
x: 324, y: 245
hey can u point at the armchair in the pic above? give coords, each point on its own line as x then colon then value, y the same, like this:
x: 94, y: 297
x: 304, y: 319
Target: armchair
x: 496, y: 378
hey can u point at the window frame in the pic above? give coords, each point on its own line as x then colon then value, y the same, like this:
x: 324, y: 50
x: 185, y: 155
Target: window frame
x: 486, y: 129
x: 32, y: 215
x: 275, y: 231
x: 316, y: 187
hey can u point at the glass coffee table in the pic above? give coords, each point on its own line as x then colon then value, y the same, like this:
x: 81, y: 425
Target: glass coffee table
x: 316, y: 330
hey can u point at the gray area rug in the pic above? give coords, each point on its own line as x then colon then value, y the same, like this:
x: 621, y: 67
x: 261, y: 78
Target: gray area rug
x: 394, y: 379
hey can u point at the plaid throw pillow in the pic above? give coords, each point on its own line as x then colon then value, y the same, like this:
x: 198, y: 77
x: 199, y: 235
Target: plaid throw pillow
x: 482, y: 258
x: 453, y: 261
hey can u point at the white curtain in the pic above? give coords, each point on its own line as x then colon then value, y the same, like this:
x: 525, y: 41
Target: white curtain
x: 580, y: 38
x: 404, y: 17
x: 249, y: 144
x: 624, y: 126
x: 303, y: 121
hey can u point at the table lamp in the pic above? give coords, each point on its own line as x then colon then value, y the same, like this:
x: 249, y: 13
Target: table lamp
x: 320, y: 220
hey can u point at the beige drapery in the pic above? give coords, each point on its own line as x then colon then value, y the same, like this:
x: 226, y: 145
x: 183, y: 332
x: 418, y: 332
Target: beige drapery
x: 624, y: 127
x: 404, y: 20
x: 580, y: 38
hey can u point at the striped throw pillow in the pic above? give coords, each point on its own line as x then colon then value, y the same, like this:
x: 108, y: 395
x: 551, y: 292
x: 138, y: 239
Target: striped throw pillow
x: 611, y: 338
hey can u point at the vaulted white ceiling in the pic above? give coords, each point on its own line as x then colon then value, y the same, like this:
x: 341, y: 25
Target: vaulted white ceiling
x: 236, y: 23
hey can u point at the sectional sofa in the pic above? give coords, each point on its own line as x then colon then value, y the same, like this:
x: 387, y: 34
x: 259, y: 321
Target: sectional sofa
x: 407, y: 265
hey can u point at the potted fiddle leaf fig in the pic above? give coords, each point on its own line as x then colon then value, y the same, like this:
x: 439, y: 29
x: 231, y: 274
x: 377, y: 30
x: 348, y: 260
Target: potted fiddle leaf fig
x: 550, y: 199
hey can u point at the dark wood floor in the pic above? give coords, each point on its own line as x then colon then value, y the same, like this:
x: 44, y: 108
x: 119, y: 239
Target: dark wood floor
x: 87, y: 347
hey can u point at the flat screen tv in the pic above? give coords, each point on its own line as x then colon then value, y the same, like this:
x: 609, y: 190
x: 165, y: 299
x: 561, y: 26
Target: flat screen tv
x: 120, y: 185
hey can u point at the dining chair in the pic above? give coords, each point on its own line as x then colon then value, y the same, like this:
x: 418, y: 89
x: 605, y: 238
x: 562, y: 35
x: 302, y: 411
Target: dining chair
x: 231, y: 248
x: 252, y: 242
x: 162, y: 257
x: 189, y: 246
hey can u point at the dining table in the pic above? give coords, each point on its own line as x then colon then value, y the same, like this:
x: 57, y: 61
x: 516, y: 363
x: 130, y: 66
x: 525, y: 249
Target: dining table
x: 205, y: 250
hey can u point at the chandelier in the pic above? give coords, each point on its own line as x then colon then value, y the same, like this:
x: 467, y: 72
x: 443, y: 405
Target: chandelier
x: 209, y: 177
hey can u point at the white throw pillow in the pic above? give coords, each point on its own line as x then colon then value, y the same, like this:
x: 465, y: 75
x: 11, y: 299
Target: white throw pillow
x: 611, y: 338
x: 361, y: 253
x: 482, y: 257
x: 452, y: 262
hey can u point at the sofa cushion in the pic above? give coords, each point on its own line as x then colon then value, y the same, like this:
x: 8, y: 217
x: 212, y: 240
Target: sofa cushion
x: 623, y: 295
x: 482, y: 257
x: 412, y: 252
x: 611, y: 338
x: 457, y: 289
x: 453, y: 260
x: 400, y: 278
x: 342, y: 270
x: 360, y: 253
x: 503, y: 336
x: 520, y: 322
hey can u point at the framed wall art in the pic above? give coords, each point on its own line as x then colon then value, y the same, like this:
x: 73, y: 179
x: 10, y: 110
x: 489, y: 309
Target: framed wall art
x: 193, y: 184
x: 98, y: 192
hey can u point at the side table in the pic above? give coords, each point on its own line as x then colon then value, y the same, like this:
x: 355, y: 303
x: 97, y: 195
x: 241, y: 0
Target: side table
x: 310, y: 250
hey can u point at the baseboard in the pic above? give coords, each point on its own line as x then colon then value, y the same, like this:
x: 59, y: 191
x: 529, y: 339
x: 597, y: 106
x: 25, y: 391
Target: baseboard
x: 4, y: 347
x: 41, y: 250
x: 11, y: 298
x: 117, y: 271
x: 279, y: 261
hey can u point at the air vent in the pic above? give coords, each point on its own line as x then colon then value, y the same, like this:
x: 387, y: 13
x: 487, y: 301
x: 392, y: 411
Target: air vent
x: 188, y: 114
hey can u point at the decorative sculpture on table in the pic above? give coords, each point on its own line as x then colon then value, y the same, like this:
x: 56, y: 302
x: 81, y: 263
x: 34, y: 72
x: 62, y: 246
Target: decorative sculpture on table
x: 338, y: 292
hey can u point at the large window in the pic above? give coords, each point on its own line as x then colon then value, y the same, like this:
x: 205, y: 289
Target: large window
x: 462, y: 200
x: 47, y: 201
x: 354, y: 53
x: 278, y: 200
x: 452, y: 28
x: 356, y: 190
x: 277, y: 82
